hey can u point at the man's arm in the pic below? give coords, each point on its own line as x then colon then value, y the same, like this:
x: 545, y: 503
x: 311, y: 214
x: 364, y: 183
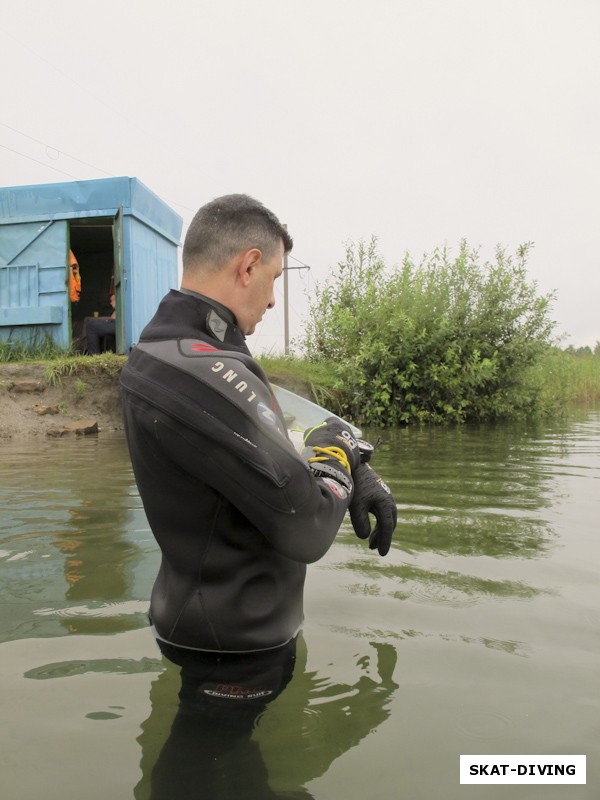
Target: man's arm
x: 216, y: 421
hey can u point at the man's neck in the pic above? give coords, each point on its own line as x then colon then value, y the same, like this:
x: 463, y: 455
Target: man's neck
x: 223, y: 311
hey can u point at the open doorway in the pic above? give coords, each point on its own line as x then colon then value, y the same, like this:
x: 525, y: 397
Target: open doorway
x: 91, y: 240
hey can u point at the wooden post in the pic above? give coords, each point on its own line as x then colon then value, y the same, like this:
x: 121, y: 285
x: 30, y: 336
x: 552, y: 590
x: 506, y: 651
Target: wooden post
x: 286, y: 319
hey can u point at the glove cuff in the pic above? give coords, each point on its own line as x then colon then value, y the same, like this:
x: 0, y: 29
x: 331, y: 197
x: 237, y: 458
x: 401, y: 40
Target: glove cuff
x: 330, y: 469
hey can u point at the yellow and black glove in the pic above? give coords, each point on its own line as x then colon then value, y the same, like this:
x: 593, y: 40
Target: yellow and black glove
x: 332, y: 452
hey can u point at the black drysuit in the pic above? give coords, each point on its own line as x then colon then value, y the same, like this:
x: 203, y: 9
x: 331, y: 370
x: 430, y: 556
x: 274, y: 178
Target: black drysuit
x: 237, y: 513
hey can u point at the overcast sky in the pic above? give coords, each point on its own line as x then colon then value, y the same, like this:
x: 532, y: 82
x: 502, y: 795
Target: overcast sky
x: 422, y: 122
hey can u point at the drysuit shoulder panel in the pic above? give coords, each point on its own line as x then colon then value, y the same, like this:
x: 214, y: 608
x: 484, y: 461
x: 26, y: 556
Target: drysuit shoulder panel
x: 233, y: 377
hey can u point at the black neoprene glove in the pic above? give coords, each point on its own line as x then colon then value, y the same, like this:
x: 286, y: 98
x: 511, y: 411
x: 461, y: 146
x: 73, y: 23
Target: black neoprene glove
x: 372, y: 495
x: 332, y: 451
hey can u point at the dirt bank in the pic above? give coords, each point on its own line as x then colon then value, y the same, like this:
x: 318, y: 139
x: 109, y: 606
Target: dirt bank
x: 87, y: 401
x: 30, y: 405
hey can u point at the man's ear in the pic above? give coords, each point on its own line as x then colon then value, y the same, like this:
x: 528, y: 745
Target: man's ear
x: 247, y: 264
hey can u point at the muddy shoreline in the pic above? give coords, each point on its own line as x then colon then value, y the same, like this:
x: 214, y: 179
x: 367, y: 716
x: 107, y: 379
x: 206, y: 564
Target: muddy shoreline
x: 79, y: 404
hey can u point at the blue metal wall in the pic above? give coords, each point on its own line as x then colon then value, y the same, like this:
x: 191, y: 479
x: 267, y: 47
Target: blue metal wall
x: 149, y: 273
x: 33, y: 283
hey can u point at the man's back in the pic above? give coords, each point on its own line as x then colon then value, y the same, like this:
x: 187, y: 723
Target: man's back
x: 236, y: 512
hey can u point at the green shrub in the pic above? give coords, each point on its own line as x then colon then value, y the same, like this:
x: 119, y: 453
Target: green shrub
x: 442, y: 340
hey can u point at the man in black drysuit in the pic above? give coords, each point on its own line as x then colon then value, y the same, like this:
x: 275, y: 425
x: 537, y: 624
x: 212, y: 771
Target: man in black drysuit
x: 236, y: 511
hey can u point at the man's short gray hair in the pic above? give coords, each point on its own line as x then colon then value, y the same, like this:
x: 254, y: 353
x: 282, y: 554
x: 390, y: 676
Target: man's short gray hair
x: 229, y: 225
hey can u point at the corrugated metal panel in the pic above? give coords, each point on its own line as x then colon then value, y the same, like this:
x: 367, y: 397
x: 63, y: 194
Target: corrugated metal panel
x: 76, y: 199
x: 64, y: 200
x: 33, y: 282
x: 31, y: 315
x: 15, y: 239
x: 152, y: 273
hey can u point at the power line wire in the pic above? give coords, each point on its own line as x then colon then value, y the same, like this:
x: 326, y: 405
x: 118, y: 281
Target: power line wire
x: 75, y: 177
x: 96, y: 98
x: 57, y: 149
x: 49, y: 166
x: 68, y: 155
x: 299, y: 261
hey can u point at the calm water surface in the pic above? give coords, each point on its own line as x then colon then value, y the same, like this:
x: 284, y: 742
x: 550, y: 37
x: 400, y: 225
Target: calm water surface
x: 478, y: 633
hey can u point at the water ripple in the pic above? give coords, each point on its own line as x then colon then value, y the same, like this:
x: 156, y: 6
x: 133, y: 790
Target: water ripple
x: 484, y: 725
x: 96, y: 610
x: 113, y: 666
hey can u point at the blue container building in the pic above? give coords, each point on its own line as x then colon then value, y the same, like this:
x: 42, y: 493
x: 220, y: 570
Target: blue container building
x: 120, y: 232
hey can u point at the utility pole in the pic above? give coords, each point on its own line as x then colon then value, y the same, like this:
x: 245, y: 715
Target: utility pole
x: 286, y: 315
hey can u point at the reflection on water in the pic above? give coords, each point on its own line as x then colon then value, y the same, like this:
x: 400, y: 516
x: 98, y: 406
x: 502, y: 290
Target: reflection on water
x: 452, y: 587
x: 474, y: 491
x: 75, y: 536
x: 320, y: 718
x: 477, y: 633
x: 299, y: 736
x: 209, y: 743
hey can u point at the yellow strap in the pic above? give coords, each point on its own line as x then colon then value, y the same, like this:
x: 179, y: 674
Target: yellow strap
x: 332, y: 452
x: 316, y: 427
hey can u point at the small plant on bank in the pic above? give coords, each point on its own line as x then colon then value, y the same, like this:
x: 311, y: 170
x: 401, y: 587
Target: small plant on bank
x: 81, y: 388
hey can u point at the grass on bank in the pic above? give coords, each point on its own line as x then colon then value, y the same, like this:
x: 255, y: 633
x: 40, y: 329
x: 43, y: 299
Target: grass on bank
x: 60, y: 363
x: 109, y: 364
x: 569, y: 380
x: 17, y: 351
x: 313, y: 380
x: 573, y: 379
